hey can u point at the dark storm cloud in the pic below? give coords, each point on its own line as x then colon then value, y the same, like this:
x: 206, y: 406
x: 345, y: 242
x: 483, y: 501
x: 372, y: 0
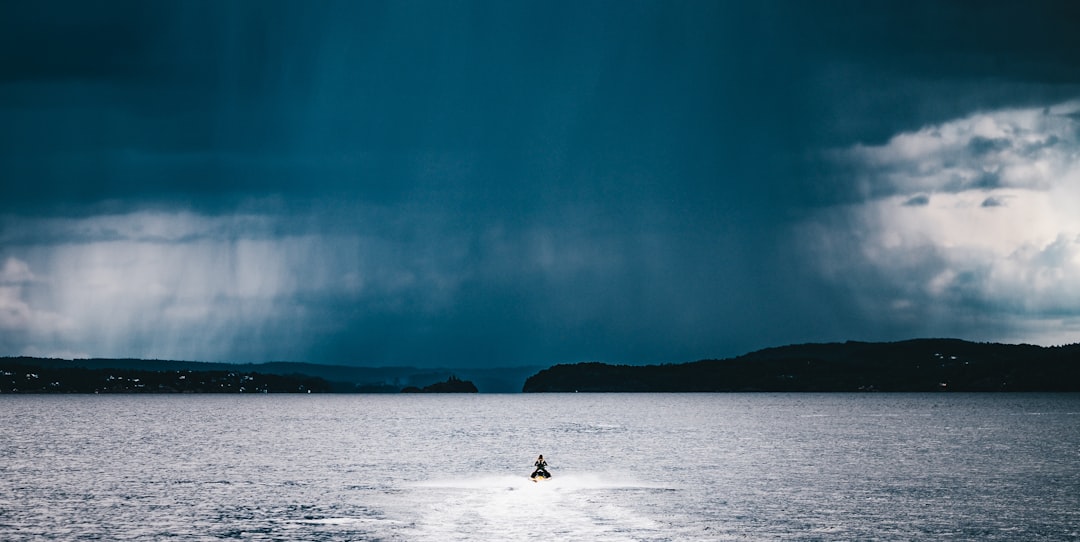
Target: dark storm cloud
x: 369, y: 93
x: 526, y: 104
x: 420, y: 181
x: 65, y: 41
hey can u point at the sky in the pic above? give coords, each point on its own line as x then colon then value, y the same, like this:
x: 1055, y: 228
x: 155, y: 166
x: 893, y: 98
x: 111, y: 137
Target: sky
x: 482, y: 183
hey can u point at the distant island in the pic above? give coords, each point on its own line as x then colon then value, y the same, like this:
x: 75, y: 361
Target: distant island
x: 906, y: 366
x: 452, y: 385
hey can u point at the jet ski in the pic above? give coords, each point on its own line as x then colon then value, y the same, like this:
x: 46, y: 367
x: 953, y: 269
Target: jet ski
x: 539, y: 475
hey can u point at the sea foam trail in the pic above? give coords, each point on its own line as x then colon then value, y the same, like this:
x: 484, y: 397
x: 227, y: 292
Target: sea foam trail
x: 508, y: 507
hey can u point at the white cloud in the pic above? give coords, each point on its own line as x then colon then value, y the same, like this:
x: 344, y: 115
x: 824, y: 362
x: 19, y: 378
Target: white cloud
x: 15, y: 271
x: 147, y: 226
x: 16, y: 314
x: 162, y: 284
x: 1018, y: 148
x: 977, y: 218
x: 187, y: 286
x: 253, y: 287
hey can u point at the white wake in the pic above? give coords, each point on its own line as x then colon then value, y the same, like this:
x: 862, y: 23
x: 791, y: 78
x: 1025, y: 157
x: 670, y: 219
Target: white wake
x: 588, y: 506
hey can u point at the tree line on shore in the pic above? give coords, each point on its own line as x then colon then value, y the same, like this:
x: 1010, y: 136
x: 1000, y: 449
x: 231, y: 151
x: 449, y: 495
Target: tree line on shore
x: 23, y: 375
x: 908, y: 366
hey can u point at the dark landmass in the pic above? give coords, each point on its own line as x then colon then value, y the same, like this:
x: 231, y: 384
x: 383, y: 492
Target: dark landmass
x: 158, y: 376
x: 25, y: 378
x: 915, y: 365
x: 452, y: 385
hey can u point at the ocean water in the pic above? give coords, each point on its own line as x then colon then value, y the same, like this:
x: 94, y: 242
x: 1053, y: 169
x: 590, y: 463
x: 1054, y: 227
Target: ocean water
x: 625, y: 467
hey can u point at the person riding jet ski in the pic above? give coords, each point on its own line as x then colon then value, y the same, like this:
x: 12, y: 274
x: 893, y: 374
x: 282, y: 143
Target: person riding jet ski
x: 541, y: 469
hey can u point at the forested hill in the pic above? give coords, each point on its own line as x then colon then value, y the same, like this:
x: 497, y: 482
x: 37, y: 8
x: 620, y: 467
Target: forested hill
x: 915, y: 365
x: 39, y: 375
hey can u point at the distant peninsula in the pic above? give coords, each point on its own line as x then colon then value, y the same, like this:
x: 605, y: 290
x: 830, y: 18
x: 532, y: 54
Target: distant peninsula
x: 918, y: 365
x: 25, y: 375
x: 22, y: 377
